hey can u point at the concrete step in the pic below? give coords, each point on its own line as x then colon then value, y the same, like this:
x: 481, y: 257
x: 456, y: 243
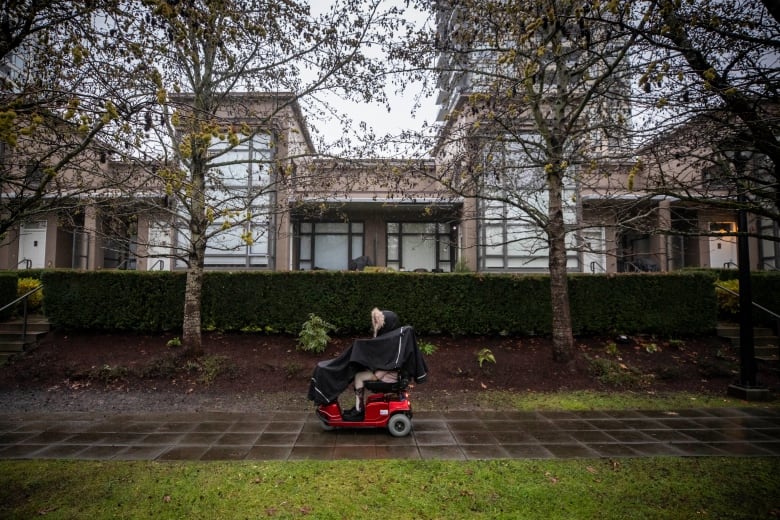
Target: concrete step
x: 766, y: 344
x: 757, y: 340
x: 17, y: 342
x: 731, y: 330
x: 34, y: 324
x: 13, y: 339
x: 765, y: 350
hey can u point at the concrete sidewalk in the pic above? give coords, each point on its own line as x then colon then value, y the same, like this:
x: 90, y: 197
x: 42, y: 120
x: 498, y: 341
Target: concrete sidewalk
x: 449, y: 435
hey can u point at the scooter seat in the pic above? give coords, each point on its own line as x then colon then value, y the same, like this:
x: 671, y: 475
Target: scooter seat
x: 382, y: 387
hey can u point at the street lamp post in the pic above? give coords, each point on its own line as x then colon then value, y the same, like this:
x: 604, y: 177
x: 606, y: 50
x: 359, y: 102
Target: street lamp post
x: 746, y: 388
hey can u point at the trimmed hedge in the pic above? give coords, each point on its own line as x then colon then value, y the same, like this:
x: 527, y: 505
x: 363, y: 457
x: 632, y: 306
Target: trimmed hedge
x: 654, y: 303
x: 114, y: 300
x: 469, y: 303
x: 765, y: 291
x: 8, y: 282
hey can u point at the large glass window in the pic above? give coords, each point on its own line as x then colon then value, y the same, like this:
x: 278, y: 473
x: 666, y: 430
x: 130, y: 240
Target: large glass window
x: 239, y: 196
x: 512, y: 246
x: 419, y: 246
x: 329, y: 245
x: 515, y: 190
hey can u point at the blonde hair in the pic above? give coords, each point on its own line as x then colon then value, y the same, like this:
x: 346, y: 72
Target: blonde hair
x: 377, y: 320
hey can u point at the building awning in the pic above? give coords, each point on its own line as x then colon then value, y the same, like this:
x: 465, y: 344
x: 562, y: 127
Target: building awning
x: 389, y: 206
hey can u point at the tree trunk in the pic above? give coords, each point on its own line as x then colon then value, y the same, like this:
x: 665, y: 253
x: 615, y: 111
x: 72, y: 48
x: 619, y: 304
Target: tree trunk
x: 191, y: 332
x: 563, y: 339
x: 191, y: 327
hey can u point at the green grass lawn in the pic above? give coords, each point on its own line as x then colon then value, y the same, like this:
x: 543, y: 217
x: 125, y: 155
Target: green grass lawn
x: 610, y: 400
x: 642, y: 488
x: 653, y: 488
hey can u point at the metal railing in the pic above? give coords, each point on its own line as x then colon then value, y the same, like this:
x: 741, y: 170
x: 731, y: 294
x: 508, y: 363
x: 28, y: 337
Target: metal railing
x: 594, y: 265
x: 161, y: 262
x: 761, y: 308
x: 756, y: 305
x: 27, y: 263
x: 23, y: 298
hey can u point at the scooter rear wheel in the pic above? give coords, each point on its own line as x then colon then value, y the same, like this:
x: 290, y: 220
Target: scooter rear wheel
x: 399, y: 425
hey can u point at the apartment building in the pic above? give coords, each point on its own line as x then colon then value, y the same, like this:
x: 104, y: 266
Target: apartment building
x: 625, y: 208
x: 329, y: 214
x: 479, y: 202
x: 307, y: 213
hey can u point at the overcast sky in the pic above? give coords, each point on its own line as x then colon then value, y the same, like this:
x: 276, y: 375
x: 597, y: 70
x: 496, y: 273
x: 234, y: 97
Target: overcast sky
x: 402, y: 115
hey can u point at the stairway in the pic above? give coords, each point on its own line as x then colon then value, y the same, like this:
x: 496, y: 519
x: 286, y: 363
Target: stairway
x: 766, y: 344
x: 12, y: 340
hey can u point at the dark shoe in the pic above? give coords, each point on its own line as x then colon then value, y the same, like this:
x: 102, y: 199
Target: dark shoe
x: 352, y: 415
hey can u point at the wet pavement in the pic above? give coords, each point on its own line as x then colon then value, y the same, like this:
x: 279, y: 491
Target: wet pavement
x: 742, y: 432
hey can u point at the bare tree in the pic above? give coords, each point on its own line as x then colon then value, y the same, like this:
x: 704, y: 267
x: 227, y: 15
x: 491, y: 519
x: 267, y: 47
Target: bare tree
x: 61, y: 118
x: 537, y: 103
x: 228, y: 80
x: 710, y: 74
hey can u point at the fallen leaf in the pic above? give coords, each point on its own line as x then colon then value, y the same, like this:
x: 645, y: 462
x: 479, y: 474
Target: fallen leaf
x: 167, y: 498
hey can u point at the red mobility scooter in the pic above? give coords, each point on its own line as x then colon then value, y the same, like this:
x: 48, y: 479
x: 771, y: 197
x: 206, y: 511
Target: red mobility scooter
x: 388, y: 407
x: 393, y: 349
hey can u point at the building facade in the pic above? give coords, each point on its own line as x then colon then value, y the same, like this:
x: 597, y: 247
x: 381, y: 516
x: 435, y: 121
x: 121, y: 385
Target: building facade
x: 480, y: 202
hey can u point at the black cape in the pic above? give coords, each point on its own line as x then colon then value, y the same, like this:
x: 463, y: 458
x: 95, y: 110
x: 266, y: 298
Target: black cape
x: 394, y: 350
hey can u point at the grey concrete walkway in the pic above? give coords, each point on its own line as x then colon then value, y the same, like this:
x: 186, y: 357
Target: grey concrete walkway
x: 451, y: 435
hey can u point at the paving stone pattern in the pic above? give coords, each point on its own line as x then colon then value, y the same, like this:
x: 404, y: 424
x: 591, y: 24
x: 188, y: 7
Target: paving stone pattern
x: 207, y: 436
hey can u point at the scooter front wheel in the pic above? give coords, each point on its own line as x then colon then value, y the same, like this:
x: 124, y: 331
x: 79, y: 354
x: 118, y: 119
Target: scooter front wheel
x: 399, y: 425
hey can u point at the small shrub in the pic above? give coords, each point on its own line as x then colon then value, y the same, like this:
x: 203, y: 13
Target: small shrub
x: 613, y: 373
x: 728, y: 304
x: 174, y: 342
x: 165, y: 367
x: 485, y: 355
x: 611, y: 349
x: 427, y: 348
x: 191, y: 366
x: 314, y: 334
x: 264, y: 329
x: 35, y: 300
x: 212, y: 367
x: 107, y: 374
x: 677, y: 344
x: 291, y: 370
x: 651, y: 348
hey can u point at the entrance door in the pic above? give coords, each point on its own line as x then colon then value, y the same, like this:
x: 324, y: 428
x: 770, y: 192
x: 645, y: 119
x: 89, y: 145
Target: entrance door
x: 159, y: 249
x: 594, y: 258
x: 723, y: 249
x: 32, y: 245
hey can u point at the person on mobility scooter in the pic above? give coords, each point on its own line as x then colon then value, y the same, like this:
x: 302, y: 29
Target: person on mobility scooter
x: 385, y: 365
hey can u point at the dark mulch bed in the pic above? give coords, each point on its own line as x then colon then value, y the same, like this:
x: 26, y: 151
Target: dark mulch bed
x: 237, y: 364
